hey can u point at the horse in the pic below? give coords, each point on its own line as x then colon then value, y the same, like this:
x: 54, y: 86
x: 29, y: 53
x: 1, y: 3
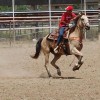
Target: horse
x: 73, y: 46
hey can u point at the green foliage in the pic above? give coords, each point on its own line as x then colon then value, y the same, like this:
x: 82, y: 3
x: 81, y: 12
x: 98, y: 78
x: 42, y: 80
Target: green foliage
x: 9, y: 8
x: 5, y: 8
x: 21, y: 8
x: 76, y: 6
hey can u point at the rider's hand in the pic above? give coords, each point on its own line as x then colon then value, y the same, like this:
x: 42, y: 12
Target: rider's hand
x: 70, y: 25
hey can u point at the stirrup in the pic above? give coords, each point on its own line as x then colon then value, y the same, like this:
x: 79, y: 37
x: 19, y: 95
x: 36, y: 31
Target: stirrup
x: 56, y: 49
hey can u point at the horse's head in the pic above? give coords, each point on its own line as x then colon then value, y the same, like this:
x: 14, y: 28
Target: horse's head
x: 85, y: 22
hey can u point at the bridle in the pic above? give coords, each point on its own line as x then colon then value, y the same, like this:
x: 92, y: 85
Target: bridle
x: 85, y: 24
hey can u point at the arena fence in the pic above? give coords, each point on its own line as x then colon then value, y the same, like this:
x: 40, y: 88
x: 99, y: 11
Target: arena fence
x: 28, y: 28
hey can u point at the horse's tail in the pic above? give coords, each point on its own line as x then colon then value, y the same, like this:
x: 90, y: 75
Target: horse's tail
x: 38, y: 49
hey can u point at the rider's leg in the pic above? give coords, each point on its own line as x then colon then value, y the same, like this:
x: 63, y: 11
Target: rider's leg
x: 60, y: 37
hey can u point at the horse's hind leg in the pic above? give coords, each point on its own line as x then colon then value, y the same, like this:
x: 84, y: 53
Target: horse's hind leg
x: 46, y: 63
x: 56, y: 57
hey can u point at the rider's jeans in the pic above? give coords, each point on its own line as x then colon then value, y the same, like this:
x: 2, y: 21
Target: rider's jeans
x: 61, y: 32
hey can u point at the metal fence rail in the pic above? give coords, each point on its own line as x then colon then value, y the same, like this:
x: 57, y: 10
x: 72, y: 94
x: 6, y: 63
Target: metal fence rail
x: 37, y: 26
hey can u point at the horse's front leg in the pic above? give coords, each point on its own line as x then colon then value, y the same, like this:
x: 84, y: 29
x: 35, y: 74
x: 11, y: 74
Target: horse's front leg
x: 56, y: 57
x: 79, y: 56
x: 79, y: 64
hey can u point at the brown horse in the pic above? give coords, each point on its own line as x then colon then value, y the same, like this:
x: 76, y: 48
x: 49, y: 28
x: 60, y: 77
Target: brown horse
x: 73, y: 46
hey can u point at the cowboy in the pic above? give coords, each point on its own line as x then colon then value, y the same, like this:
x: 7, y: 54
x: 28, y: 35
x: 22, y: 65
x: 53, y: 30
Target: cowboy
x: 66, y: 21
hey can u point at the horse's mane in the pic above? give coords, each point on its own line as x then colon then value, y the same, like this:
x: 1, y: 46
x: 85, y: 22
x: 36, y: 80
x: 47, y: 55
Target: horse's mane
x: 75, y: 20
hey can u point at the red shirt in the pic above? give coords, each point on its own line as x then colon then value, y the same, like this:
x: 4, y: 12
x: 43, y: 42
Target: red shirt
x: 66, y: 17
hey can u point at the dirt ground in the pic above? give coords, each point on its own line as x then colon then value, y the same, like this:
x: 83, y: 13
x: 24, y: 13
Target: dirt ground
x: 23, y: 78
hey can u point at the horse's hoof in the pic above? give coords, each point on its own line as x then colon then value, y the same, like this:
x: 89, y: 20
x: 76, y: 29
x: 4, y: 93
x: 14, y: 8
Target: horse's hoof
x: 75, y: 68
x: 49, y: 76
x: 80, y: 63
x: 59, y: 73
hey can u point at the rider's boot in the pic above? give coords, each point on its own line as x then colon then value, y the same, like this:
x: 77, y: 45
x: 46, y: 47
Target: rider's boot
x: 60, y: 37
x: 56, y: 49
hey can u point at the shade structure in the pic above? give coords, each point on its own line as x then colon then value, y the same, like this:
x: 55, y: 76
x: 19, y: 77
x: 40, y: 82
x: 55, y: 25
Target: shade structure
x: 38, y: 2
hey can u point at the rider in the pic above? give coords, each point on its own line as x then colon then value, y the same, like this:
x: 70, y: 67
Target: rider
x: 64, y: 22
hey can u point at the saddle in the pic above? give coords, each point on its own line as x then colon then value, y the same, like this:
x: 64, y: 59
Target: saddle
x: 54, y: 35
x: 64, y: 45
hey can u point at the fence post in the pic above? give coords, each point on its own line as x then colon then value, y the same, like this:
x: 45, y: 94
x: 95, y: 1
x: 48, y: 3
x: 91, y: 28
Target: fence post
x: 10, y: 33
x: 99, y: 15
x: 99, y: 18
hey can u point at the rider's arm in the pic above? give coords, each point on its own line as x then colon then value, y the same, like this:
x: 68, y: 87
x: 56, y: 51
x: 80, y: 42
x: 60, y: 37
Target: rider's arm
x: 72, y: 21
x: 73, y: 16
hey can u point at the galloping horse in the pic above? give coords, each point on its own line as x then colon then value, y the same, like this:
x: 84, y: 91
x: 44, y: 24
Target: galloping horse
x: 73, y: 46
